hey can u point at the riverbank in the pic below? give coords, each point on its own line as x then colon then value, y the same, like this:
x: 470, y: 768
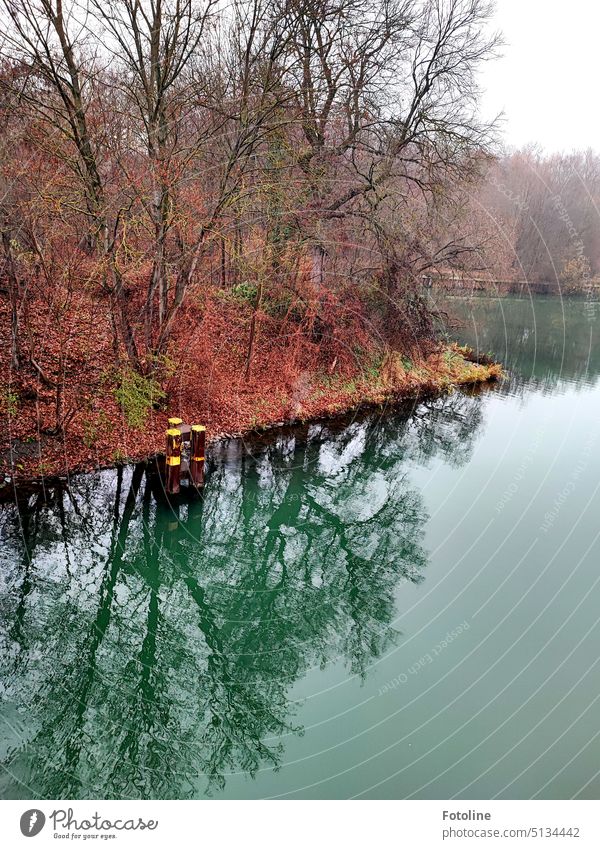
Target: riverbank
x: 111, y: 437
x: 588, y: 288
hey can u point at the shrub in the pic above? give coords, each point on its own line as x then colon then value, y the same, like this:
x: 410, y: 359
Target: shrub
x: 136, y: 395
x: 245, y: 292
x: 9, y: 402
x: 92, y: 426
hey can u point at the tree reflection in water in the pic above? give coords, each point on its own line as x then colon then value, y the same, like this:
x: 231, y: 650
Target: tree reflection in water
x: 148, y: 650
x: 544, y: 343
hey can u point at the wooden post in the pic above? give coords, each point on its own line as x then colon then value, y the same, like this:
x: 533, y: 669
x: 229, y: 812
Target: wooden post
x: 175, y: 422
x: 173, y: 461
x: 197, y: 450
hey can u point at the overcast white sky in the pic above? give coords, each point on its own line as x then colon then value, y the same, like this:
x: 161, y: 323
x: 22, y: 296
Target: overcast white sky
x: 548, y: 81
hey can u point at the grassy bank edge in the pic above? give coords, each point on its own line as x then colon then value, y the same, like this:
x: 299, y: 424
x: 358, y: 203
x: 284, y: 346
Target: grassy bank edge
x: 399, y: 380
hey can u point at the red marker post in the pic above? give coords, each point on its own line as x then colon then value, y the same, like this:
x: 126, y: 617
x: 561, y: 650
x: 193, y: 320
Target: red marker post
x: 197, y: 451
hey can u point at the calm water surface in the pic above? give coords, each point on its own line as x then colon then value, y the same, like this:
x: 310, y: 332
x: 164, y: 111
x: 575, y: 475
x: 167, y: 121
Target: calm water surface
x: 404, y: 605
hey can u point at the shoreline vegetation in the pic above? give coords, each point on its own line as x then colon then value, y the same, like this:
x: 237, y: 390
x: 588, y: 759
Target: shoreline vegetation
x: 28, y: 460
x: 218, y: 214
x: 468, y: 285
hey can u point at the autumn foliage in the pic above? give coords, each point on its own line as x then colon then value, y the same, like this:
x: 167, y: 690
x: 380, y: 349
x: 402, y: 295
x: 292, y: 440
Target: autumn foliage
x: 223, y: 214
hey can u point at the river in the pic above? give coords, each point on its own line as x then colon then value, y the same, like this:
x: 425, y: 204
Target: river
x: 397, y: 605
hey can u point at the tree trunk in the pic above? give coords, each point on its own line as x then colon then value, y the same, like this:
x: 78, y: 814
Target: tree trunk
x: 223, y: 265
x: 317, y: 262
x: 253, y: 330
x: 14, y: 293
x: 160, y: 211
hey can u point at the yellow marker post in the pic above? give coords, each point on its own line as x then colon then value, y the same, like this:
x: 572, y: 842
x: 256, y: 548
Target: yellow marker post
x: 173, y: 460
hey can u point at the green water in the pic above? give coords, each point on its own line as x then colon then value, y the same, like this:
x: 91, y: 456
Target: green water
x: 401, y: 605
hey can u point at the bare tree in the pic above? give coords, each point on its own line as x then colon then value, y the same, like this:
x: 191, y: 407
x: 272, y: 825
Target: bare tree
x: 48, y: 39
x: 154, y: 45
x: 327, y: 134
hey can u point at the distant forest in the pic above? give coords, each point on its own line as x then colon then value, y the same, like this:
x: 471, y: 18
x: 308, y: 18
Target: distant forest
x: 536, y: 217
